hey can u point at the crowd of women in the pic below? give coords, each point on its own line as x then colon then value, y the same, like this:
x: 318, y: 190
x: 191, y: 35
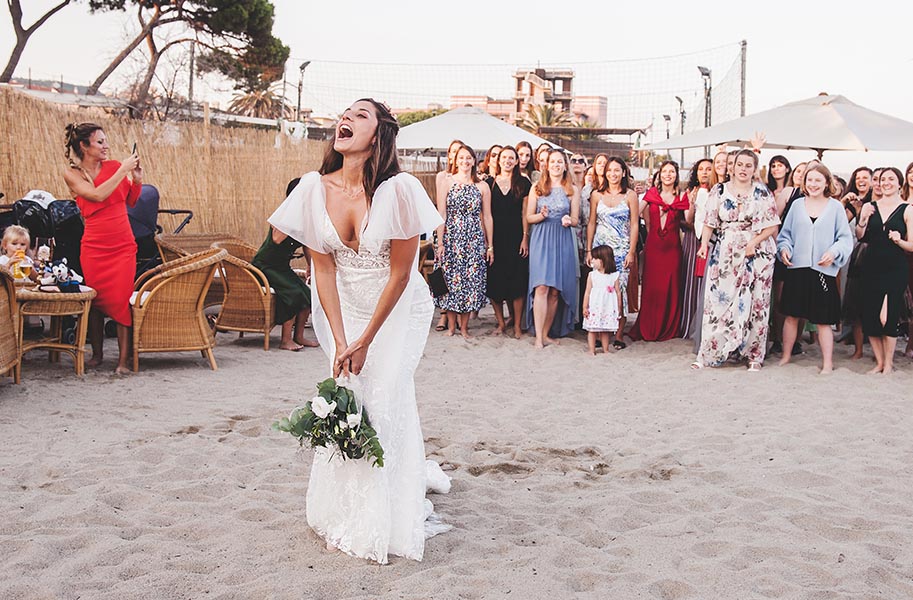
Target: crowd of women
x: 738, y: 258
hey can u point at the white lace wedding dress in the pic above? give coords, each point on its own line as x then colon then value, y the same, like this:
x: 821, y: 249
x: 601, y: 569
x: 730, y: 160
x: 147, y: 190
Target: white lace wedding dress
x: 367, y: 511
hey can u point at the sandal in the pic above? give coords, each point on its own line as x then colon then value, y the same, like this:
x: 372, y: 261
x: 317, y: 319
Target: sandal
x: 754, y: 367
x: 619, y: 345
x: 440, y: 327
x: 697, y: 365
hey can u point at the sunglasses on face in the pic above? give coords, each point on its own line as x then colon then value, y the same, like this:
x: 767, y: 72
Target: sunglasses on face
x: 578, y: 161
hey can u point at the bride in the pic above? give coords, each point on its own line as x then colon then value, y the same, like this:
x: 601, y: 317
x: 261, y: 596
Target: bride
x: 362, y: 218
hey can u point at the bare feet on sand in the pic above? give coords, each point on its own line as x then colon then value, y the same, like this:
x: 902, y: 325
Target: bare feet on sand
x: 306, y: 343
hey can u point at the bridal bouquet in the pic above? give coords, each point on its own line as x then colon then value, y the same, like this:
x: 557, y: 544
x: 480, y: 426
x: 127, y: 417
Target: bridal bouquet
x: 332, y: 420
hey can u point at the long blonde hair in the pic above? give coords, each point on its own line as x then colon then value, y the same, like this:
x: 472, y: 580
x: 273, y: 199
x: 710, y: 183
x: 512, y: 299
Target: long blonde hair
x: 714, y: 178
x: 544, y: 185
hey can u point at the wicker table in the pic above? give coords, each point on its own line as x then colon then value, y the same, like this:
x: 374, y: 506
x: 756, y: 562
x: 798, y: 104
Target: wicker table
x: 56, y: 305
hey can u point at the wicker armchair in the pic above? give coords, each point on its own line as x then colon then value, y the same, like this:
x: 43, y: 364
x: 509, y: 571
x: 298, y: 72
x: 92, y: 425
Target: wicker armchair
x: 248, y: 305
x: 175, y: 245
x: 10, y: 356
x: 168, y: 307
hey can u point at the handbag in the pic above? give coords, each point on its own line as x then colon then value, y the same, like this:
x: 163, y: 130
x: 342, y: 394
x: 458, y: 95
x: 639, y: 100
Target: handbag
x: 437, y: 283
x: 700, y: 265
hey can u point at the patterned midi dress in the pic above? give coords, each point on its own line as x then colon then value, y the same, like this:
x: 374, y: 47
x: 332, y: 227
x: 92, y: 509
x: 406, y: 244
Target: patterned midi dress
x: 613, y: 229
x: 737, y: 295
x: 463, y: 260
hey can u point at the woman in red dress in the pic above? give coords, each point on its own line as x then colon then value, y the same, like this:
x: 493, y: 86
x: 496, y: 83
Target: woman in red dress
x: 108, y: 250
x: 661, y: 303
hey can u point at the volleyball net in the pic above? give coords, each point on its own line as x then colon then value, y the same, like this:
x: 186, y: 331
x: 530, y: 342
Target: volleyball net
x: 637, y: 92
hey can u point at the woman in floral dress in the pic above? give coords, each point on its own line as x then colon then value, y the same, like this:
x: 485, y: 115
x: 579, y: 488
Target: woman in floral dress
x: 740, y: 269
x: 612, y: 204
x: 464, y: 248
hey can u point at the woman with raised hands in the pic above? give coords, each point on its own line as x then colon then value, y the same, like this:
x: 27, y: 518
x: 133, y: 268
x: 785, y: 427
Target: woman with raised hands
x: 103, y: 189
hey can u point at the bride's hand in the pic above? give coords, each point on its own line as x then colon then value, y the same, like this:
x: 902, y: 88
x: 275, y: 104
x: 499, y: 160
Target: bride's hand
x: 353, y: 358
x: 341, y: 366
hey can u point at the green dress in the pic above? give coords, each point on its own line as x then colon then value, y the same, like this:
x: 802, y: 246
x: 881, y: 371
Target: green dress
x: 291, y: 293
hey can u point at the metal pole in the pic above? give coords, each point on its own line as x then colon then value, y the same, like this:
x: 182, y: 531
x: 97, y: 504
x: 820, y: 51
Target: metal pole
x: 744, y: 63
x: 706, y: 75
x: 301, y: 69
x: 681, y: 114
x: 284, y: 99
x: 193, y: 47
x: 709, y: 101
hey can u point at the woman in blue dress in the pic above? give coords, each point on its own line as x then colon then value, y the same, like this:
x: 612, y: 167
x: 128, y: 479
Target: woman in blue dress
x: 552, y: 210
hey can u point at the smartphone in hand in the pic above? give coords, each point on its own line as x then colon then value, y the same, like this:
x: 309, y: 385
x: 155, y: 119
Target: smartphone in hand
x: 134, y: 148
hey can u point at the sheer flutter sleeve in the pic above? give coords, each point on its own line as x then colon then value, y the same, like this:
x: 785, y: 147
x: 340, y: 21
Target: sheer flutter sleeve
x: 302, y: 216
x: 400, y: 209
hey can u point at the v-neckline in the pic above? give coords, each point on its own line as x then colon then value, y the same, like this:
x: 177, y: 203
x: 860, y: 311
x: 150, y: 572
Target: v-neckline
x: 364, y: 222
x: 884, y: 222
x: 664, y: 218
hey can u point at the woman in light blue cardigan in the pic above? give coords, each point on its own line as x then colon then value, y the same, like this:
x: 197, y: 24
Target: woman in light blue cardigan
x: 814, y: 242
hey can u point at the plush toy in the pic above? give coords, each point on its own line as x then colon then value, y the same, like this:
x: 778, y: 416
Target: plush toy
x: 59, y: 274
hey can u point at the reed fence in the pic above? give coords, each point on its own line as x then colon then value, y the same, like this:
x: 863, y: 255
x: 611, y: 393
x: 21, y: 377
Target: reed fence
x: 231, y: 178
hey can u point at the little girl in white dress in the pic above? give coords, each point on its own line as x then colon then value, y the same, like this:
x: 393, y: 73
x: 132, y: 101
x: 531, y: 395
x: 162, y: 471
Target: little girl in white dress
x: 602, y: 301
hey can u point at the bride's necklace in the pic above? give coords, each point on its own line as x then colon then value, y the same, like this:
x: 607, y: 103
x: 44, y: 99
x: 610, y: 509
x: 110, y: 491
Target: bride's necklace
x: 354, y: 193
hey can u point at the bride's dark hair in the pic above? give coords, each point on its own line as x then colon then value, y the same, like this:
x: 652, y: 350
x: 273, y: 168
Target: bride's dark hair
x: 383, y: 162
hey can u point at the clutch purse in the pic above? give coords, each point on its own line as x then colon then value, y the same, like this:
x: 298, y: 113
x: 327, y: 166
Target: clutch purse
x: 700, y: 265
x: 437, y: 283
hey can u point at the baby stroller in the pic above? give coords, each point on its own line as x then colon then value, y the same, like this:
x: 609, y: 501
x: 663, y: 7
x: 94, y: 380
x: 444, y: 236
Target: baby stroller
x: 144, y: 217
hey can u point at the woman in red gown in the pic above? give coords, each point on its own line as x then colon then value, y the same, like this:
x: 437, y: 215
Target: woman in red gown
x: 660, y: 313
x: 108, y: 250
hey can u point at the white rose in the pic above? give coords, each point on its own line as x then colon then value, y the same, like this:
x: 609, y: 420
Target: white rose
x: 321, y: 407
x: 353, y: 420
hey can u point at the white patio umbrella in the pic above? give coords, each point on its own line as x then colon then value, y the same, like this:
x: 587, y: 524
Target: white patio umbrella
x: 474, y: 126
x: 821, y: 123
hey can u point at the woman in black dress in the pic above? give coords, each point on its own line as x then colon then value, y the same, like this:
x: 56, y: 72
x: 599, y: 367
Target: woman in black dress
x: 292, y: 296
x: 887, y: 228
x: 508, y: 275
x: 489, y: 166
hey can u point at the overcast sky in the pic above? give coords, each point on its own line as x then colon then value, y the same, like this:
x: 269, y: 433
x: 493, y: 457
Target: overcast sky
x: 797, y: 49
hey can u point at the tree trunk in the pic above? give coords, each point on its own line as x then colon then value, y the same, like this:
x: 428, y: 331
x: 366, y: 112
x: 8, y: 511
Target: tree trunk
x: 23, y: 35
x: 146, y: 31
x: 141, y: 94
x: 14, y: 58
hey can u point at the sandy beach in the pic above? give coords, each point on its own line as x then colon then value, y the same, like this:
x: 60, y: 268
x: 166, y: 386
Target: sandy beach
x: 617, y: 476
